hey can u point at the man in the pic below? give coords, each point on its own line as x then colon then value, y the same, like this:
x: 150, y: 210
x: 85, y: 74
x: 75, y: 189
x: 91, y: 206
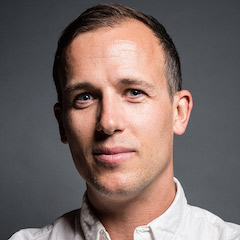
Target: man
x: 118, y: 78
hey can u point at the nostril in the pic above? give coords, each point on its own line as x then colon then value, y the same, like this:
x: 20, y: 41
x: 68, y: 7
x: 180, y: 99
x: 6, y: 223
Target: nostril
x: 107, y: 128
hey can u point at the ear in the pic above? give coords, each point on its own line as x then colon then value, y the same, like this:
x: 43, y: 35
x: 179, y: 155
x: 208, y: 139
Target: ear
x: 58, y: 115
x: 183, y: 106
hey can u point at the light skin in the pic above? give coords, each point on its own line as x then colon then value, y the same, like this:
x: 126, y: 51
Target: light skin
x: 119, y: 121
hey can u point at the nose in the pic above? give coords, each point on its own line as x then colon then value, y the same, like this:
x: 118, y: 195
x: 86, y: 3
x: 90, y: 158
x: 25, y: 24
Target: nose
x: 111, y: 116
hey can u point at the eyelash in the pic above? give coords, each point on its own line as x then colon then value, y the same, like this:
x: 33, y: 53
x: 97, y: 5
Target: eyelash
x: 80, y: 103
x: 84, y: 95
x: 139, y: 92
x: 83, y: 99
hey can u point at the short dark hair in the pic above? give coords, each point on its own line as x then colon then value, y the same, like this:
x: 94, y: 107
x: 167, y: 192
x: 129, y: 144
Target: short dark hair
x: 109, y: 15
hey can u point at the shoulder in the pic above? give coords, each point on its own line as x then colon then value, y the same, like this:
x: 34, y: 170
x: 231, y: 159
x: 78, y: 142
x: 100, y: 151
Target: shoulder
x: 209, y: 226
x: 65, y: 227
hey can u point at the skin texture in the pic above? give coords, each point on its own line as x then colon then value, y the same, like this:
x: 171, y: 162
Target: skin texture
x: 119, y: 121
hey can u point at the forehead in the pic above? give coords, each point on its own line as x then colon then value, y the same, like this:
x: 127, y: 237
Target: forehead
x: 127, y: 45
x: 129, y: 35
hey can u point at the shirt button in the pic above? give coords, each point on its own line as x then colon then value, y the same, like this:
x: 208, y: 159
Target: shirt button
x: 103, y: 235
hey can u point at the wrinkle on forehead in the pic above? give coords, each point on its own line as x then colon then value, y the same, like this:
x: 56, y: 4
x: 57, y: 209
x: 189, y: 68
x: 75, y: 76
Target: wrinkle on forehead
x: 130, y: 44
x: 114, y: 48
x: 117, y: 46
x: 125, y: 51
x: 123, y: 37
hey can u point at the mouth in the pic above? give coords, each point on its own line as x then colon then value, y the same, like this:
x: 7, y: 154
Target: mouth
x: 112, y: 156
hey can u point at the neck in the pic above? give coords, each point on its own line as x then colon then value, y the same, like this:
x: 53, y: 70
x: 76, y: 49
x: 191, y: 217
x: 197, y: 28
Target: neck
x: 121, y: 217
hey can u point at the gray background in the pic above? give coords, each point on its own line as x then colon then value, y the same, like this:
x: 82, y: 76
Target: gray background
x: 38, y: 180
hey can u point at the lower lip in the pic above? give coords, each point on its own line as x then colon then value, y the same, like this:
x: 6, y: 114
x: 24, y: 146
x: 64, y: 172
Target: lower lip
x: 113, y: 159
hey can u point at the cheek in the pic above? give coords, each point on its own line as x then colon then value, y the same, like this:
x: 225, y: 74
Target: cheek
x: 154, y: 130
x: 153, y: 120
x: 79, y: 127
x: 80, y: 133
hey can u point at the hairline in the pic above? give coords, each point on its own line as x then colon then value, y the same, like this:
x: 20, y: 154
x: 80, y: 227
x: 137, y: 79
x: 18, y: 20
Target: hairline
x: 64, y: 55
x: 172, y: 68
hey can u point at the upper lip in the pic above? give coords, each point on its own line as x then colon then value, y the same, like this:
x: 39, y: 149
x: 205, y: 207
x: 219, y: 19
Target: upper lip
x: 112, y: 150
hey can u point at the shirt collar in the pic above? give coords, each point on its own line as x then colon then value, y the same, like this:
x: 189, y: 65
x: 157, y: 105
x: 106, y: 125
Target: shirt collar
x: 165, y: 226
x: 91, y: 226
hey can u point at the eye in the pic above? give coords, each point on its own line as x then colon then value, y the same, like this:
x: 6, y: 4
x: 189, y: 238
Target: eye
x: 83, y: 100
x: 135, y: 95
x: 84, y: 97
x: 135, y: 92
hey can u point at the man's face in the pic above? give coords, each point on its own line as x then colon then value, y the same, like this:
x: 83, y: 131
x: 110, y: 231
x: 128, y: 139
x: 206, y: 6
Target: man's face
x: 117, y: 114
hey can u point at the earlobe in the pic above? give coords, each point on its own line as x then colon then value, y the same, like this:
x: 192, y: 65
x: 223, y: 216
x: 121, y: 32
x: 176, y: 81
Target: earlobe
x: 183, y: 106
x: 58, y: 115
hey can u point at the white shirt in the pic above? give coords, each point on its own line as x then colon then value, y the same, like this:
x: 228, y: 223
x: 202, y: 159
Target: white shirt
x: 180, y: 222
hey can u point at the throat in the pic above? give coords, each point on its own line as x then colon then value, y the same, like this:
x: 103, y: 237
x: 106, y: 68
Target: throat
x: 120, y: 218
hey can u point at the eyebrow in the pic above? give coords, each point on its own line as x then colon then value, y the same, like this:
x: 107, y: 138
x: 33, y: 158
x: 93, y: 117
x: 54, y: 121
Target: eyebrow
x: 123, y: 82
x: 137, y: 82
x: 77, y: 86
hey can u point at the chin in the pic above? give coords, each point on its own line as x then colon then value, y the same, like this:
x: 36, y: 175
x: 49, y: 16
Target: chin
x: 116, y: 188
